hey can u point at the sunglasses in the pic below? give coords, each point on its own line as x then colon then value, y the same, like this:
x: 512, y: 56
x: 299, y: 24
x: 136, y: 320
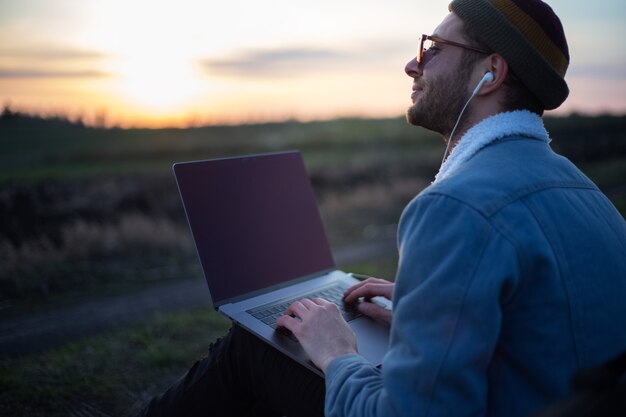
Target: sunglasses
x: 427, y: 42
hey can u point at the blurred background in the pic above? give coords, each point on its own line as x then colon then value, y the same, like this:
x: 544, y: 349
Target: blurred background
x: 102, y: 299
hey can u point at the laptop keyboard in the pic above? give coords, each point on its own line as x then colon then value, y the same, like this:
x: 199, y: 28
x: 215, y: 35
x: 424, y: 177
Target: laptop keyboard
x: 334, y: 293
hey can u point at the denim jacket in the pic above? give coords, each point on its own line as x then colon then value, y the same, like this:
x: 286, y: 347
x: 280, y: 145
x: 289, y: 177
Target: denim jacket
x: 512, y: 276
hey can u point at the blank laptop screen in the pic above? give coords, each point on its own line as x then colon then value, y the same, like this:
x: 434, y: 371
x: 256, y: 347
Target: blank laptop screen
x: 255, y: 222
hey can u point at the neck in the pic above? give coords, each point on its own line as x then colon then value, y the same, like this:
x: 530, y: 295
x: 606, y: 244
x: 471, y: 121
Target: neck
x: 477, y: 110
x: 452, y: 141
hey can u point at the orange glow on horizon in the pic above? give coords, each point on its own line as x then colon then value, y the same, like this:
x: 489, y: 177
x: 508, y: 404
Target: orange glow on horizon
x: 320, y: 99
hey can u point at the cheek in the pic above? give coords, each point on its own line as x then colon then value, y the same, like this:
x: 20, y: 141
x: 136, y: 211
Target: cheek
x: 431, y: 83
x: 440, y: 79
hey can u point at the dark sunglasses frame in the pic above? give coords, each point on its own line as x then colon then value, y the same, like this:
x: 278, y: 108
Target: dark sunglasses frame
x: 436, y: 39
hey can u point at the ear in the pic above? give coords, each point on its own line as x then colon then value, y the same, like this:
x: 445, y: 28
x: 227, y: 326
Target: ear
x: 498, y: 66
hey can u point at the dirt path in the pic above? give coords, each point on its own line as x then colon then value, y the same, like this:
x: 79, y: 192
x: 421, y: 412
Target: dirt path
x: 33, y: 333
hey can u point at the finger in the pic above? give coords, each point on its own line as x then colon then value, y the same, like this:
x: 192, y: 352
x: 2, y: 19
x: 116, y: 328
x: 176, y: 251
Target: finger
x: 308, y: 303
x: 296, y: 308
x: 371, y: 290
x: 363, y: 283
x: 317, y: 302
x: 375, y: 311
x: 287, y: 322
x: 320, y: 301
x: 359, y: 284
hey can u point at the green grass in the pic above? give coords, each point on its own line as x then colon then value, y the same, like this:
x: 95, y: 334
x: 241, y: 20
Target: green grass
x: 364, y: 172
x: 30, y: 152
x: 32, y: 149
x: 112, y: 282
x: 114, y: 372
x: 385, y: 268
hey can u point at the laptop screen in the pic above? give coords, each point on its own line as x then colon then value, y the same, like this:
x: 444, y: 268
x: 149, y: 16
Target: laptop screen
x: 255, y: 222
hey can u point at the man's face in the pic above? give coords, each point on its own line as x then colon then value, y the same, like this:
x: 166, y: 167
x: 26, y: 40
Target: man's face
x: 440, y: 86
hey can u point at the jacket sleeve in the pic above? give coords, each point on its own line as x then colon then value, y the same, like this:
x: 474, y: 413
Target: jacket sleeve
x: 455, y: 271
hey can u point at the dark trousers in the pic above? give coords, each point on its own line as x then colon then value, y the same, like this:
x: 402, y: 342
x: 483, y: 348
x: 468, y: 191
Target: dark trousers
x: 242, y: 376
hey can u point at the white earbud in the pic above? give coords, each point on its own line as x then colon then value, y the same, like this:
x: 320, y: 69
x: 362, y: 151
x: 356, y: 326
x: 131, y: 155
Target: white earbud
x: 487, y: 78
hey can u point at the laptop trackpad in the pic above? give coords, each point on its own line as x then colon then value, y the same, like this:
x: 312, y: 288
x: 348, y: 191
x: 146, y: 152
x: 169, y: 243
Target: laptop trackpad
x: 372, y: 338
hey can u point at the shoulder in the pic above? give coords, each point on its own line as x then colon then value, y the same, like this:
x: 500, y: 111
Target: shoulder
x: 505, y: 171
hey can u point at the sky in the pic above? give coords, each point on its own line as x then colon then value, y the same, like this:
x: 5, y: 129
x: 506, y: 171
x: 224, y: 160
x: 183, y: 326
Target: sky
x: 154, y: 63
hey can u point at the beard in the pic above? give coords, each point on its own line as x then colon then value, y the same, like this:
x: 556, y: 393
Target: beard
x: 440, y: 103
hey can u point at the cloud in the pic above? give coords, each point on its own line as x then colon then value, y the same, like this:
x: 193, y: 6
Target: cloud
x: 50, y: 53
x: 48, y: 61
x: 28, y: 73
x: 280, y: 61
x: 367, y: 55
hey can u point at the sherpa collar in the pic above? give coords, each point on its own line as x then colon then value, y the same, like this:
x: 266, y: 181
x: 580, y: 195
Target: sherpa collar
x: 518, y: 122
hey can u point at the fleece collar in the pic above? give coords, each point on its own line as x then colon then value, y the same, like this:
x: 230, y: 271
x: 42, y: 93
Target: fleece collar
x: 518, y: 122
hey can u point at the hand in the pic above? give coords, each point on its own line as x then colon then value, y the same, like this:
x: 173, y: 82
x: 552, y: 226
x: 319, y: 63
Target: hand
x: 320, y: 329
x: 371, y: 287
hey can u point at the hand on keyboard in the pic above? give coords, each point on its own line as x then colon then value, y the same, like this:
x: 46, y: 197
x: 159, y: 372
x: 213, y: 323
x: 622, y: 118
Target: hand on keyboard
x: 366, y: 290
x: 334, y: 294
x: 321, y: 330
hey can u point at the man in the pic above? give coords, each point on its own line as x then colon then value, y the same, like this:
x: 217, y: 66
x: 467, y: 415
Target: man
x: 512, y: 268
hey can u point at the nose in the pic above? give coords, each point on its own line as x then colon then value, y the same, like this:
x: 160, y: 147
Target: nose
x: 412, y: 68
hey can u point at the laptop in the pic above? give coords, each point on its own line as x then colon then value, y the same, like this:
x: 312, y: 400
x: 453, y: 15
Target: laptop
x: 262, y: 245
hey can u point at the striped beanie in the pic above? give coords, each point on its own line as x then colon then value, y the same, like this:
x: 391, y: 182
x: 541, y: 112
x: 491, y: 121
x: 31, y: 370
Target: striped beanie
x: 529, y: 35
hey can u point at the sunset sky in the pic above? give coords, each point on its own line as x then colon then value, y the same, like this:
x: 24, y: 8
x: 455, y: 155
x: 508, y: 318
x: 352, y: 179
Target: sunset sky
x: 174, y: 63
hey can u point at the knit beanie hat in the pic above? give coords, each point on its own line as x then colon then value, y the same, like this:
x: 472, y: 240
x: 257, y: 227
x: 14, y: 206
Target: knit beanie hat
x: 529, y: 35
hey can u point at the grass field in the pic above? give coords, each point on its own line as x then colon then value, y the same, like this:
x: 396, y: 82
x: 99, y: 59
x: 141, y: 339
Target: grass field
x: 112, y: 190
x: 88, y: 212
x: 114, y: 373
x: 30, y: 152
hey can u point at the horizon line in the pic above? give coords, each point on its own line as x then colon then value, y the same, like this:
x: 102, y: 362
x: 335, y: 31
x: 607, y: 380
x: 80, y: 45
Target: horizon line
x: 99, y: 119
